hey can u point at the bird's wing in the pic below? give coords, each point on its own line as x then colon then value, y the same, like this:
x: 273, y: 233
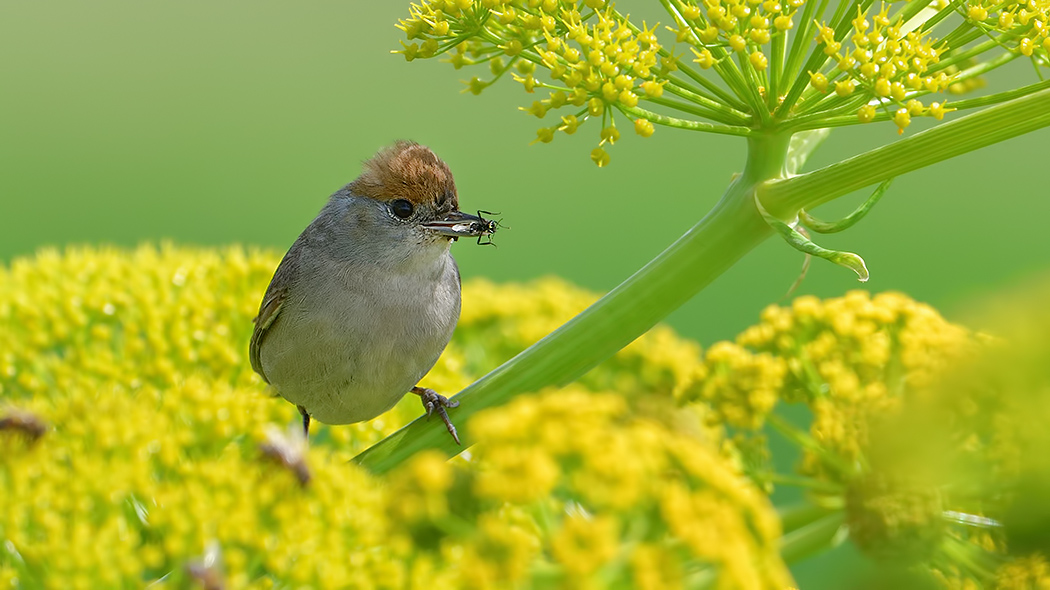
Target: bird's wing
x: 273, y: 301
x: 268, y: 312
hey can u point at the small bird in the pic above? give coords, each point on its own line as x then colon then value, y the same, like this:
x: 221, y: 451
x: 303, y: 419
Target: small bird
x: 366, y: 299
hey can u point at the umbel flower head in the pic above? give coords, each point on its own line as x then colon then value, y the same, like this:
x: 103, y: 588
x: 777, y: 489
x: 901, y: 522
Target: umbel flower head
x: 996, y: 408
x: 926, y: 440
x: 736, y: 67
x: 570, y: 489
x: 854, y: 361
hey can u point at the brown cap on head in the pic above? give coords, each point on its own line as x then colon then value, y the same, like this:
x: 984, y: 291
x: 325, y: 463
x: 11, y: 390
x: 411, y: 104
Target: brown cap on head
x: 406, y: 170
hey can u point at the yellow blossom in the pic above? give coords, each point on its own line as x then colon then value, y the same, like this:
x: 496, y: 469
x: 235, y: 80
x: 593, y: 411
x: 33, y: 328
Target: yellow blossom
x: 132, y: 364
x: 884, y: 52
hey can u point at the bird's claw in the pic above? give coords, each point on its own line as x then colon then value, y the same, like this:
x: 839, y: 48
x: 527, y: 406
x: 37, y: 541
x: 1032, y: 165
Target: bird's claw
x: 435, y: 403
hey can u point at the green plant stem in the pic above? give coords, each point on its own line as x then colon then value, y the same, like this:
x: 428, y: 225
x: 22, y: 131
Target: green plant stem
x: 974, y: 131
x: 724, y: 235
x: 809, y: 483
x: 998, y: 97
x: 640, y: 113
x: 813, y: 538
x: 802, y: 514
x: 713, y: 245
x: 693, y: 109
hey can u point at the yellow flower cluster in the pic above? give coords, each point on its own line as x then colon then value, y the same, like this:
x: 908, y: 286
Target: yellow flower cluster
x: 888, y: 62
x: 570, y: 487
x: 854, y: 361
x: 928, y: 437
x: 847, y: 358
x: 1025, y: 573
x: 596, y: 66
x: 136, y: 445
x: 757, y: 67
x: 994, y: 409
x: 742, y: 27
x: 1025, y: 22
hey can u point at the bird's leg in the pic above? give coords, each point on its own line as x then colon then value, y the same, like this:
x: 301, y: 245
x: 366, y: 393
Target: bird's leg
x: 306, y: 422
x: 436, y: 403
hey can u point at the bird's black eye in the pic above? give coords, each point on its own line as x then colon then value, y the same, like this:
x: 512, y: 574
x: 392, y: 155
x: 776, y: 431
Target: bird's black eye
x: 402, y: 208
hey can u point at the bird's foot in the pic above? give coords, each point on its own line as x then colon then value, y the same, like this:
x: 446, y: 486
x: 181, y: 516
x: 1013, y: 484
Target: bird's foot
x: 435, y: 403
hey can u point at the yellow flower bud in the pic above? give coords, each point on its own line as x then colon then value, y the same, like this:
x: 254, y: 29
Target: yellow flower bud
x: 760, y: 36
x: 643, y: 127
x: 844, y: 87
x: 653, y: 89
x: 570, y: 124
x: 600, y: 157
x: 512, y: 48
x: 704, y: 58
x: 937, y: 110
x: 628, y: 98
x: 902, y: 118
x: 977, y: 13
x: 897, y: 91
x: 818, y: 81
x: 758, y: 60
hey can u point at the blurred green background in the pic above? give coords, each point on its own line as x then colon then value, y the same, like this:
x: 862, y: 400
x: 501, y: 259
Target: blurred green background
x: 211, y: 123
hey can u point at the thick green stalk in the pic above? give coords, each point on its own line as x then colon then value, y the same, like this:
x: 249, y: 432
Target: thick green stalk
x: 728, y: 232
x: 974, y: 131
x: 722, y: 237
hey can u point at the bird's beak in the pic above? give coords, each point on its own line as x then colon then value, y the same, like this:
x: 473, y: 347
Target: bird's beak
x: 461, y: 225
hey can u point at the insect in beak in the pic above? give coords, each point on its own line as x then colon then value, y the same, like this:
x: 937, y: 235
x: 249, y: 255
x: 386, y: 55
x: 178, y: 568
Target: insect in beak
x: 488, y: 227
x: 464, y: 225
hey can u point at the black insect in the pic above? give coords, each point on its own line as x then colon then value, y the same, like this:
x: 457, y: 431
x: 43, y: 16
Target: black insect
x: 486, y: 227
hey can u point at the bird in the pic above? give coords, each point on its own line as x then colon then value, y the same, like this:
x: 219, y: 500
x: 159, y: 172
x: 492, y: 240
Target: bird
x: 368, y: 296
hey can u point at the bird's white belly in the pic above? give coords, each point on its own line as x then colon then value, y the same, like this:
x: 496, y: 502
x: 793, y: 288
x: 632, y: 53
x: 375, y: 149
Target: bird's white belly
x: 348, y: 356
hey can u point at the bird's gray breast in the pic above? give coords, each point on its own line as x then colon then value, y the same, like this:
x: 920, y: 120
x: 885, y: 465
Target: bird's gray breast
x: 352, y: 339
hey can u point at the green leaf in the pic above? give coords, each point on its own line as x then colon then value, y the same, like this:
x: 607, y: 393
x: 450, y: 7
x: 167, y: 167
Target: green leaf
x: 802, y: 243
x: 830, y: 227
